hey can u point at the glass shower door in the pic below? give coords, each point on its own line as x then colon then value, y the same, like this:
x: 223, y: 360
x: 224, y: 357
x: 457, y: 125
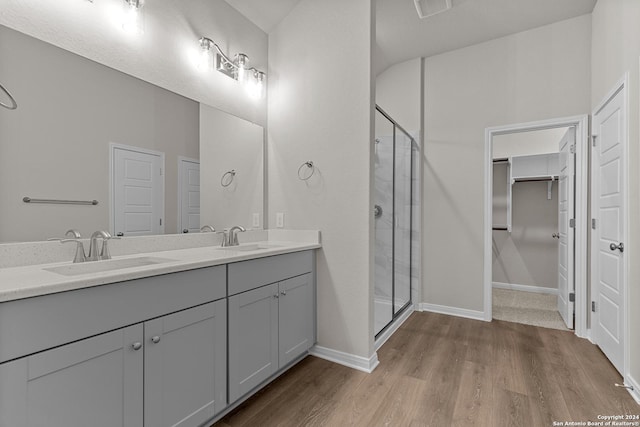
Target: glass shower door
x: 393, y: 160
x: 383, y: 222
x: 402, y: 226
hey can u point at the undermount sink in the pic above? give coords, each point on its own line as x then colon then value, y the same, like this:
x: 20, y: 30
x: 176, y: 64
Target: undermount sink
x: 106, y: 265
x: 250, y: 247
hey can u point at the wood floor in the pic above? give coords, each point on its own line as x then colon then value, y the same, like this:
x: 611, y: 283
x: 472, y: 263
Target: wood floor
x: 442, y: 371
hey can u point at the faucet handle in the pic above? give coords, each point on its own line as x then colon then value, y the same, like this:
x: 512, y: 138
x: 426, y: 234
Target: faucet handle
x: 104, y: 252
x: 80, y: 256
x: 73, y: 233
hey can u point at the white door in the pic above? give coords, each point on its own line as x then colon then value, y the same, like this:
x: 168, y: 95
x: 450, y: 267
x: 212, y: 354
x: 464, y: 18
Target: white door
x: 566, y: 209
x: 138, y: 191
x: 189, y: 196
x: 608, y: 210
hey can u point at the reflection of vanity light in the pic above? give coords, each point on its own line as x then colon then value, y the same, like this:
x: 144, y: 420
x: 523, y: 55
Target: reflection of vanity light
x: 132, y: 17
x: 255, y: 85
x: 237, y: 68
x: 205, y: 57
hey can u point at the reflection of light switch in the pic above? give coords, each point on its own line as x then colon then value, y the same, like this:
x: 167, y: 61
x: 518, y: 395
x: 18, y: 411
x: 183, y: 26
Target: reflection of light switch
x: 280, y: 220
x: 256, y: 220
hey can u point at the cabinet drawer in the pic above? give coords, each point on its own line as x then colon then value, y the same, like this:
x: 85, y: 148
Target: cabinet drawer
x: 35, y: 324
x: 247, y: 275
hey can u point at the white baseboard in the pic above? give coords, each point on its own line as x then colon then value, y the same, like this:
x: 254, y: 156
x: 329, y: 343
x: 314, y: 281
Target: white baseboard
x: 394, y: 327
x: 525, y: 288
x: 350, y: 360
x: 635, y: 393
x: 453, y: 311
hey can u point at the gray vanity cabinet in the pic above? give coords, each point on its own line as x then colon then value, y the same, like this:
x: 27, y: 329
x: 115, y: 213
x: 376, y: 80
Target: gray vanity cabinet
x: 270, y: 324
x: 93, y: 382
x: 185, y: 366
x: 253, y: 339
x: 176, y: 363
x: 295, y: 317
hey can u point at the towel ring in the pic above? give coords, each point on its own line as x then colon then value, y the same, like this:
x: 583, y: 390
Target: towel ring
x: 13, y: 105
x: 231, y: 174
x: 308, y: 164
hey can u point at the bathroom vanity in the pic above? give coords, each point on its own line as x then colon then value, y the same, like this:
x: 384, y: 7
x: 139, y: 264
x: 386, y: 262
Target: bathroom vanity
x: 175, y: 343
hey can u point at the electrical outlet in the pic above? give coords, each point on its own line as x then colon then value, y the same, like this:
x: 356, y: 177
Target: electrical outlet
x: 280, y: 220
x: 256, y: 220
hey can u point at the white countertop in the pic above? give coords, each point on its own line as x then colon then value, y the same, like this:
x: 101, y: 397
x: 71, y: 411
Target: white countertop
x: 34, y: 280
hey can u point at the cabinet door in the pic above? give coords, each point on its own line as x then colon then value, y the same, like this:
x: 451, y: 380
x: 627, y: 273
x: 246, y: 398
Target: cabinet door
x: 296, y: 317
x: 93, y: 382
x: 185, y: 366
x: 253, y: 339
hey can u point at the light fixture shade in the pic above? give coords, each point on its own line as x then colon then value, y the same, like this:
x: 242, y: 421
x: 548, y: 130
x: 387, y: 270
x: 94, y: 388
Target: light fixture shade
x: 256, y: 85
x: 132, y: 16
x: 205, y: 56
x: 241, y: 67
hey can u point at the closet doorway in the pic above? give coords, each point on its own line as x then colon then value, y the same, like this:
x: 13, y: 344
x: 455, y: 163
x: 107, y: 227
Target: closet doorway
x: 535, y: 223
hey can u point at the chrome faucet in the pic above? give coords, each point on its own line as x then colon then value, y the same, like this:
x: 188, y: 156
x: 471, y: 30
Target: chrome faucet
x: 206, y: 228
x: 233, y: 234
x: 93, y: 246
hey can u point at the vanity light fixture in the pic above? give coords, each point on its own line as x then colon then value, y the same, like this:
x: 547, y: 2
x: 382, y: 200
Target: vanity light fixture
x: 236, y: 68
x: 132, y: 16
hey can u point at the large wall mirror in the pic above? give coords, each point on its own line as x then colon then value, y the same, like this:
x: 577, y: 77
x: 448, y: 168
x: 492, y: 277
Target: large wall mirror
x: 73, y: 114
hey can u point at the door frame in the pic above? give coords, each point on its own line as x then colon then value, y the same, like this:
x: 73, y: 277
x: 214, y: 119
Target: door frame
x: 181, y: 160
x: 113, y: 146
x: 581, y: 124
x: 622, y: 86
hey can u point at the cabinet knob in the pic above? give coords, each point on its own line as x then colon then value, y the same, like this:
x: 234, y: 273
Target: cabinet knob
x: 283, y: 293
x: 136, y: 345
x: 155, y: 339
x: 276, y: 296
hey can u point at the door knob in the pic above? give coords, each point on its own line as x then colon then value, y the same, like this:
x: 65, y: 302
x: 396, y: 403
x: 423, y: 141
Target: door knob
x: 136, y: 345
x: 155, y: 339
x: 619, y: 246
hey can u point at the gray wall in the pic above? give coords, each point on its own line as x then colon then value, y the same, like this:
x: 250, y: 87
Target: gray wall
x: 324, y: 114
x: 55, y: 145
x: 533, y: 75
x: 528, y: 255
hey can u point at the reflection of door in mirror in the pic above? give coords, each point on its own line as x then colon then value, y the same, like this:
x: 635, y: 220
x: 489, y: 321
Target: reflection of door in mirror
x: 137, y: 191
x: 188, y: 195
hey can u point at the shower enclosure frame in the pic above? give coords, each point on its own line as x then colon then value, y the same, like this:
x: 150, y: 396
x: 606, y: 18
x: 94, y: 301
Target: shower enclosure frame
x: 397, y: 313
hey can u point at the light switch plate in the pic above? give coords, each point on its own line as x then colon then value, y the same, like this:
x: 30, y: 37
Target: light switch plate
x: 256, y: 220
x: 280, y: 220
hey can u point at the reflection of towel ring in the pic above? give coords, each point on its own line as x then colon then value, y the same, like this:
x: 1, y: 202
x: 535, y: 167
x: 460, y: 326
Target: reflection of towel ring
x: 13, y: 105
x: 231, y: 174
x: 308, y: 164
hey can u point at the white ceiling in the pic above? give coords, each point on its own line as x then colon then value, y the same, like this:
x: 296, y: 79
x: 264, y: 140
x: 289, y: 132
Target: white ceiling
x: 266, y: 14
x: 401, y: 35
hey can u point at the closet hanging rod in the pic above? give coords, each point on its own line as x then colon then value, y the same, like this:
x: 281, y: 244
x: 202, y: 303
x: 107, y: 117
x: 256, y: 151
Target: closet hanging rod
x: 537, y: 178
x: 60, y: 202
